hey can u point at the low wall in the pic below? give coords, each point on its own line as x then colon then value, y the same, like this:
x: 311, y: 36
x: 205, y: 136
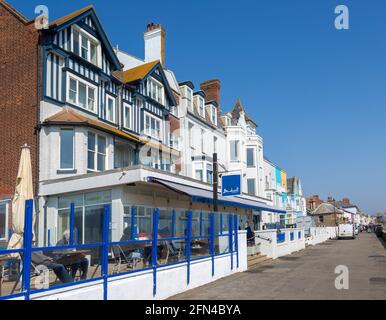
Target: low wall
x: 321, y: 234
x: 171, y: 280
x: 267, y: 244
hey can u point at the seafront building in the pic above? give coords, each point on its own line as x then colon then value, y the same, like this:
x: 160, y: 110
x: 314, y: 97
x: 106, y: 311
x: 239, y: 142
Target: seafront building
x: 106, y: 127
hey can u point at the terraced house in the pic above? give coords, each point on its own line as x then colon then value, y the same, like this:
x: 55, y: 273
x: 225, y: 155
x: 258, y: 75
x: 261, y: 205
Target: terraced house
x: 112, y: 128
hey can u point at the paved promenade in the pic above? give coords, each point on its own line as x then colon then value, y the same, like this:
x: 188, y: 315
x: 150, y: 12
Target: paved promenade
x: 308, y: 274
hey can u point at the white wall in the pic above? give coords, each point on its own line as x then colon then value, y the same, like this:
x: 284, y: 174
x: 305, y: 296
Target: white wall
x: 171, y: 280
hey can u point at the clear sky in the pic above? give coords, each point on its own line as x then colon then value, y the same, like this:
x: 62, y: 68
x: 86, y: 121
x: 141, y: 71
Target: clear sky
x: 318, y: 94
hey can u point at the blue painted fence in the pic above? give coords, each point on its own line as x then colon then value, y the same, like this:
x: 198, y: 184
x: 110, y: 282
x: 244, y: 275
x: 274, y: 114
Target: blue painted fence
x: 27, y: 250
x: 280, y: 237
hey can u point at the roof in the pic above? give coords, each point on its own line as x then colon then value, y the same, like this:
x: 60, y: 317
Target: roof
x: 70, y: 16
x: 326, y: 208
x: 237, y: 109
x: 69, y: 116
x: 137, y: 73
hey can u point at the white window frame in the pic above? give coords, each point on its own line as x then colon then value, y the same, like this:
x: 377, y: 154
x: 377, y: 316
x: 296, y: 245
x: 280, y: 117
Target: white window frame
x: 150, y: 134
x: 237, y: 158
x: 91, y: 39
x: 96, y: 152
x: 189, y: 97
x: 254, y: 157
x: 159, y: 94
x: 6, y: 202
x: 213, y: 114
x: 130, y: 107
x: 203, y: 142
x: 87, y: 84
x: 196, y: 167
x: 190, y: 132
x: 110, y: 97
x: 73, y: 149
x: 201, y: 106
x: 254, y: 186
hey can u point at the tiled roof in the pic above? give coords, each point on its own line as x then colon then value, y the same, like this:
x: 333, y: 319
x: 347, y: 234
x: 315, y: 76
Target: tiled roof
x: 70, y: 16
x: 68, y: 116
x: 136, y: 73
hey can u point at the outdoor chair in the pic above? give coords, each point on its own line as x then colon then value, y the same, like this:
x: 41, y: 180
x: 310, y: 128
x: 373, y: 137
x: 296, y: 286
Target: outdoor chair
x: 129, y: 259
x: 172, y: 252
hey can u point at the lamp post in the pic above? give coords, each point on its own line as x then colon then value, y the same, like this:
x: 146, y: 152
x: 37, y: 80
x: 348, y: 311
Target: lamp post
x: 215, y: 183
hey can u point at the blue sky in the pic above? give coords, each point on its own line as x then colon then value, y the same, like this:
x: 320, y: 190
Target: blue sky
x: 318, y: 94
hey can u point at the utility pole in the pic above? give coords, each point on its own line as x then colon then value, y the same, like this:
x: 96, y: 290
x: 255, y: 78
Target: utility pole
x: 215, y: 183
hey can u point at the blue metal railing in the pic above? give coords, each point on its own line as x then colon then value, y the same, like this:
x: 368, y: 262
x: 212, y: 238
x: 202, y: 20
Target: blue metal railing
x: 210, y: 236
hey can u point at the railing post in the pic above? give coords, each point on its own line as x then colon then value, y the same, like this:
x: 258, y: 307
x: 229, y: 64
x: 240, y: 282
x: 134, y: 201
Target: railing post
x: 236, y: 223
x: 212, y: 239
x: 188, y: 242
x: 27, y: 241
x: 105, y: 256
x: 154, y: 250
x: 201, y: 223
x: 220, y: 223
x: 173, y: 223
x: 230, y: 222
x: 133, y: 225
x: 49, y: 237
x: 72, y: 222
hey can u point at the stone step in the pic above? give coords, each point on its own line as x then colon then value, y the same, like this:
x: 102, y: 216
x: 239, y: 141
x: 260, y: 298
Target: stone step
x: 257, y: 259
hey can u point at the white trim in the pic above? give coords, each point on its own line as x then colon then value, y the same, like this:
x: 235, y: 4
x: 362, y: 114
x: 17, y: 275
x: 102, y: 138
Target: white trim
x: 110, y: 97
x: 70, y: 75
x: 131, y: 118
x: 147, y: 114
x: 6, y: 202
x: 73, y: 148
x: 90, y: 38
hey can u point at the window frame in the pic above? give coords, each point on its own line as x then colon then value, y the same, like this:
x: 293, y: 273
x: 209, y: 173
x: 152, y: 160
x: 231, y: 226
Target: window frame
x: 90, y: 40
x: 73, y: 149
x: 109, y: 98
x: 253, y: 155
x: 254, y: 186
x: 199, y: 164
x: 159, y: 94
x: 97, y: 152
x: 6, y: 225
x: 189, y: 97
x: 127, y: 106
x: 237, y: 151
x: 71, y: 76
x: 213, y: 112
x: 156, y: 120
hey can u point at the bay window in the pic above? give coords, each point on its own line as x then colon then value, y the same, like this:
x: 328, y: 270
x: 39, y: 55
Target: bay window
x: 81, y: 93
x: 96, y: 152
x: 67, y: 149
x: 198, y: 171
x: 152, y: 127
x: 201, y: 105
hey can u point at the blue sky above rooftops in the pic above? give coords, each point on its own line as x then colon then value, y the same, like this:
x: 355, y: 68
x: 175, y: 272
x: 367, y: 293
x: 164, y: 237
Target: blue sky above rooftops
x: 317, y: 94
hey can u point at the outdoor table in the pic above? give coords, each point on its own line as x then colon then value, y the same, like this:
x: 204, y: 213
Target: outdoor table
x: 3, y: 261
x: 70, y: 257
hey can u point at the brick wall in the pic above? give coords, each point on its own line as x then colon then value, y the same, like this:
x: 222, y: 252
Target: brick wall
x: 18, y: 94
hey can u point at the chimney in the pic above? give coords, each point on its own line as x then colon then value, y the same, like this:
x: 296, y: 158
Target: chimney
x: 154, y: 43
x: 346, y: 202
x: 212, y: 91
x: 331, y: 200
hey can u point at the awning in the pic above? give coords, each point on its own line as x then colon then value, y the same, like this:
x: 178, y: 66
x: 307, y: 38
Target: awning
x: 206, y: 196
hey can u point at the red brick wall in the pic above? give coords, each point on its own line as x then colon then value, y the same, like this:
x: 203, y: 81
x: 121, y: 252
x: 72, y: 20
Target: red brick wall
x: 18, y: 95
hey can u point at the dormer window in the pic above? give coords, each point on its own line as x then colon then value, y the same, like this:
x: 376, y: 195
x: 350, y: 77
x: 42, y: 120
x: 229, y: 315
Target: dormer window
x: 85, y: 45
x: 156, y: 91
x: 213, y: 114
x: 201, y: 106
x: 189, y: 97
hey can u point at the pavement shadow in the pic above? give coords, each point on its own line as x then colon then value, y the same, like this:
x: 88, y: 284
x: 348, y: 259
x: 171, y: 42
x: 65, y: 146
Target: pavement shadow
x: 382, y: 241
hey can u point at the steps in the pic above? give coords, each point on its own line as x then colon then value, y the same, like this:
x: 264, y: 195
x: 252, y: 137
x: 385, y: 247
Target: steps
x: 257, y: 259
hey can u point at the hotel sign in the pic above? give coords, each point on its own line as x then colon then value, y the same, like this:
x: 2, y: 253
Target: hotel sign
x: 231, y: 185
